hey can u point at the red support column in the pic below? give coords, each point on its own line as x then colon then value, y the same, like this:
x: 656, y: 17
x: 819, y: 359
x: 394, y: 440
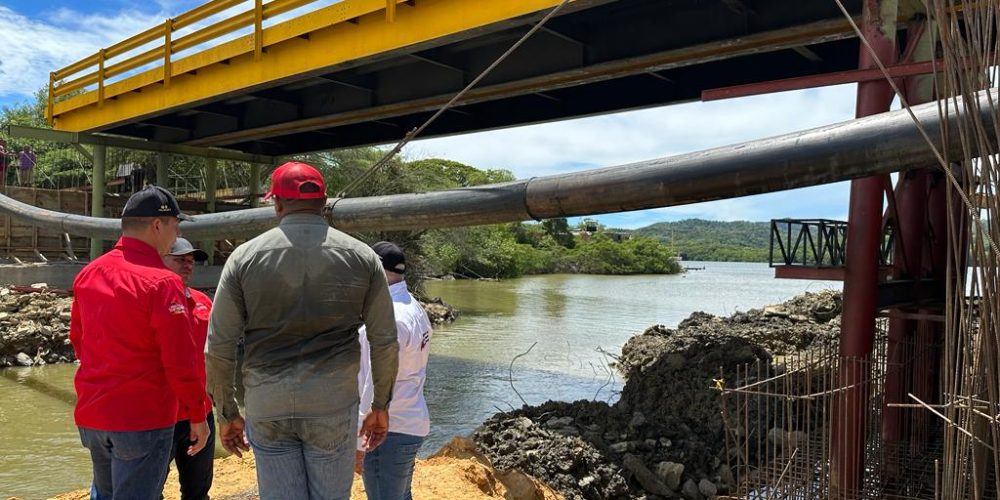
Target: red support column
x: 861, y: 276
x: 911, y: 230
x: 926, y: 360
x: 911, y: 205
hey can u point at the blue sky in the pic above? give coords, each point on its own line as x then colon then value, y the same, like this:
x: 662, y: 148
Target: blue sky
x: 39, y: 36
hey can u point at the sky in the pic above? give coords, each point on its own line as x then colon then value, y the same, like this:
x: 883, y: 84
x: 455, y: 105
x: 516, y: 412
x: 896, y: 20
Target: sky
x: 39, y: 36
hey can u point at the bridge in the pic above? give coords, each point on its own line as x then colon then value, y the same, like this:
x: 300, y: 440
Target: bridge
x: 290, y: 76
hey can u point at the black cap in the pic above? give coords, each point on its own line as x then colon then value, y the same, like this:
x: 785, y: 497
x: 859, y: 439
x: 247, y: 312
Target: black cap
x: 183, y: 247
x: 392, y: 256
x: 153, y: 201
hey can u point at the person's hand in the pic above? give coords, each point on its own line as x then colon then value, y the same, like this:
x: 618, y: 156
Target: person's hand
x: 374, y: 429
x: 359, y: 461
x: 234, y: 438
x: 200, y: 436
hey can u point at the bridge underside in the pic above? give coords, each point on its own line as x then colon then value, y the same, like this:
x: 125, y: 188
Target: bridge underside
x: 598, y: 57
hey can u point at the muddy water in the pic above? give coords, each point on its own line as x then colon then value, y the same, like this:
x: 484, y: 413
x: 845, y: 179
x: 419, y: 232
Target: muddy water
x: 568, y: 318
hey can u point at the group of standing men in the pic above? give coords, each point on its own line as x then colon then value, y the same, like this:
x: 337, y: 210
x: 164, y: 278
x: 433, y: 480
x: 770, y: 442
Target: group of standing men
x: 24, y: 161
x: 291, y: 302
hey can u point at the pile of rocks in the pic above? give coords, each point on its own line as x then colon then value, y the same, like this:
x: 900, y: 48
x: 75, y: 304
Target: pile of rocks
x: 438, y: 311
x: 665, y: 437
x: 34, y: 328
x: 552, y: 450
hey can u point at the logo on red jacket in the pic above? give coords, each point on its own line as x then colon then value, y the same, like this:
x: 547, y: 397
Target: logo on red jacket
x: 202, y: 312
x: 176, y: 308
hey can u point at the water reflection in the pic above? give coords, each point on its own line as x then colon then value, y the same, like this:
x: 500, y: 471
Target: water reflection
x: 478, y: 297
x: 41, y: 447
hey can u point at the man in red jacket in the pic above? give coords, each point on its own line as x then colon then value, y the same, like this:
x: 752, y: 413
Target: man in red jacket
x: 132, y: 331
x: 194, y: 472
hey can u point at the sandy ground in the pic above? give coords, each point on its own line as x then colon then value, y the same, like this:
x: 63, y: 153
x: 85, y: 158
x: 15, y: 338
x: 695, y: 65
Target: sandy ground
x: 455, y: 472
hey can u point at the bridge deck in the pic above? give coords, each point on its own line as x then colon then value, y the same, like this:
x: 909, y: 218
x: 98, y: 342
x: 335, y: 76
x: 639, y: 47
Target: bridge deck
x: 287, y: 76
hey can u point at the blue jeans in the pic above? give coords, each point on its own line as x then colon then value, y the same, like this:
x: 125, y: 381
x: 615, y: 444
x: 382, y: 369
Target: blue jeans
x: 389, y: 468
x: 130, y: 465
x: 193, y: 473
x: 305, y: 458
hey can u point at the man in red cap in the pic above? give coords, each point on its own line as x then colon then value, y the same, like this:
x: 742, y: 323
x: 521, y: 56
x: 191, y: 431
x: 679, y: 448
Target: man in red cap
x: 194, y: 472
x: 297, y: 295
x: 131, y: 329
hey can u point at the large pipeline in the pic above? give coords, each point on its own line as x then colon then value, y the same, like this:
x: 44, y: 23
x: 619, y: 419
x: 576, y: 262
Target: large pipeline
x: 878, y: 144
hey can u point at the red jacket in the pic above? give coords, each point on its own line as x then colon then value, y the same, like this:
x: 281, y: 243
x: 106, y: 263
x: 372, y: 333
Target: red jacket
x: 201, y: 308
x: 132, y: 331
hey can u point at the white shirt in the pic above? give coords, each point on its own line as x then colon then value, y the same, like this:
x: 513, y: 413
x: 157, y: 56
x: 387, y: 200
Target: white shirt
x: 408, y: 410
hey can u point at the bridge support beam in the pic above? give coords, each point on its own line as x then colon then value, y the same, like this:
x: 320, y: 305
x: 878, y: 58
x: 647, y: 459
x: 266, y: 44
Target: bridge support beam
x: 211, y: 187
x: 861, y: 276
x: 162, y: 170
x: 99, y: 184
x: 254, y: 185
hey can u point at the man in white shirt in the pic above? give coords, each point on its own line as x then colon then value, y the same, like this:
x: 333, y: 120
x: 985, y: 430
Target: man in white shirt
x: 388, y: 470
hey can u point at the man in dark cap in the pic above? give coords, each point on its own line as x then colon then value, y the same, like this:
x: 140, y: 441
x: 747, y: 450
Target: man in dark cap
x: 388, y: 470
x: 297, y: 295
x: 131, y: 329
x: 194, y: 472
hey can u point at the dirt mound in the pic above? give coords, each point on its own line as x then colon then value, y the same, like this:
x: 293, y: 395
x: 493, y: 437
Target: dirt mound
x: 456, y: 471
x: 664, y: 438
x: 34, y: 328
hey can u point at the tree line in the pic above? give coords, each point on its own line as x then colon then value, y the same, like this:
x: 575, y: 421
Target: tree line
x: 716, y: 241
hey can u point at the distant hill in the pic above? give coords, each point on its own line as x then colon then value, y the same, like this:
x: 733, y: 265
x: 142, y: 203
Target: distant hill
x: 696, y: 239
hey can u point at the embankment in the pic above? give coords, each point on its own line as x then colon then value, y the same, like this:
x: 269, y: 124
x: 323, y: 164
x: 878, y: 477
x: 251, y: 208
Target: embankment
x: 665, y: 437
x: 34, y: 325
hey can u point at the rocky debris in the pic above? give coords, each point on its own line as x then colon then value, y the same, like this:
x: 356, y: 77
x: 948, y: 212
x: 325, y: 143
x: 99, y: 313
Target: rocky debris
x: 664, y: 438
x: 570, y: 465
x: 34, y: 327
x: 670, y: 473
x: 438, y: 311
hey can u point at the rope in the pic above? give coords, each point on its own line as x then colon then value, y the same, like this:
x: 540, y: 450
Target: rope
x: 417, y: 130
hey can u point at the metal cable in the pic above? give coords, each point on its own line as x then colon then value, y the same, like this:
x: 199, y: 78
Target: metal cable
x: 416, y: 131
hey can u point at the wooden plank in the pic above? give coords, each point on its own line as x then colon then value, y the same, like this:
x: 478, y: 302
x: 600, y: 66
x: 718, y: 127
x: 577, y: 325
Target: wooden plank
x: 21, y: 240
x: 34, y: 232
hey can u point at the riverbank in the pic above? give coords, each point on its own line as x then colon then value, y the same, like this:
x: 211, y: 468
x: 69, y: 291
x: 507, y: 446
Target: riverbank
x: 457, y: 471
x: 34, y: 325
x: 665, y: 436
x: 573, y: 318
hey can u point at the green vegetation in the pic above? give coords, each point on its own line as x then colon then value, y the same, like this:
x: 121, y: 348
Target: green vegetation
x: 696, y: 239
x: 510, y: 250
x: 495, y: 251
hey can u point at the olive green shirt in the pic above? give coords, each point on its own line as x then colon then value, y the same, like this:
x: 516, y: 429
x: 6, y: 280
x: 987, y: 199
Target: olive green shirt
x: 297, y: 294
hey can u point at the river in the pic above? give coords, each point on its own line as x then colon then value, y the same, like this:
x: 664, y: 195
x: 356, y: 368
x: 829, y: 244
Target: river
x: 568, y: 318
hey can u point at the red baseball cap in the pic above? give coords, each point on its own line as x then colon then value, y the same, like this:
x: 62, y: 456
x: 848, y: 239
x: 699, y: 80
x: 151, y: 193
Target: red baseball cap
x: 296, y: 181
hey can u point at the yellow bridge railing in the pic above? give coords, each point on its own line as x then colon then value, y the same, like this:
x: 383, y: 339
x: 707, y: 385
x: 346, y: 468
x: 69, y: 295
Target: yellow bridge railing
x: 94, y: 72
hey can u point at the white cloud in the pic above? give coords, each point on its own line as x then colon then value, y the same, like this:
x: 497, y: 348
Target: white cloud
x: 622, y: 138
x: 30, y: 48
